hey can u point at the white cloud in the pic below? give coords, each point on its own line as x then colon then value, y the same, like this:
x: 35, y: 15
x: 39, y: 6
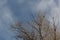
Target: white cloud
x: 44, y: 4
x: 54, y: 9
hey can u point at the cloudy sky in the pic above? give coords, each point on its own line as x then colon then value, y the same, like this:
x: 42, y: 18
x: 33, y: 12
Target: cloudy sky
x: 20, y: 10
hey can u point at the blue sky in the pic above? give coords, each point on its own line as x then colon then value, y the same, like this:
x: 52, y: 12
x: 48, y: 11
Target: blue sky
x: 20, y: 10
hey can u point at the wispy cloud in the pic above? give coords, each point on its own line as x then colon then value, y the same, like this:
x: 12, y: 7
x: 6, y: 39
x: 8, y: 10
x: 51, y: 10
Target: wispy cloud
x: 52, y: 7
x: 5, y: 19
x: 5, y: 14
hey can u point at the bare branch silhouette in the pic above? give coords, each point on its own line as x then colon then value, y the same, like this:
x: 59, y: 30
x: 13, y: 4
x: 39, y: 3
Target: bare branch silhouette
x: 41, y: 29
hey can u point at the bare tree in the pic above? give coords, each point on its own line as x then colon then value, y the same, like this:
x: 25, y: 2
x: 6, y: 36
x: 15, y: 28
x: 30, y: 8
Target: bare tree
x: 41, y: 29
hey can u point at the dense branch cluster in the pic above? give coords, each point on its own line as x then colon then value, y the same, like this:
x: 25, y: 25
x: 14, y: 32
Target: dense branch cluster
x: 41, y: 30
